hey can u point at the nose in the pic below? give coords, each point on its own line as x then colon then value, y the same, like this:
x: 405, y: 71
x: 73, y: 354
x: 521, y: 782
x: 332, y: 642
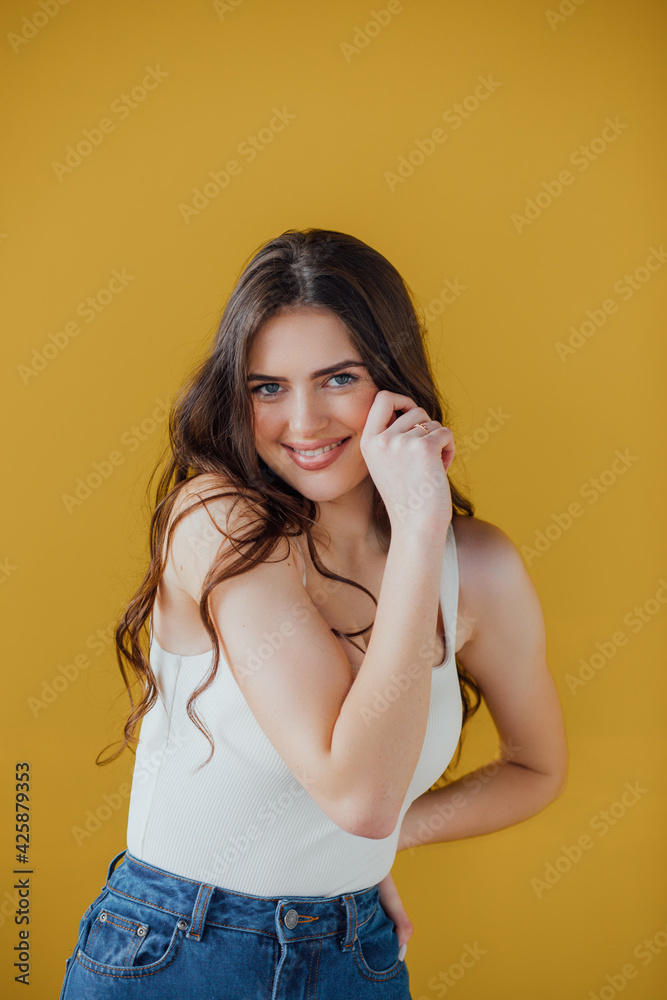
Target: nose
x: 308, y: 416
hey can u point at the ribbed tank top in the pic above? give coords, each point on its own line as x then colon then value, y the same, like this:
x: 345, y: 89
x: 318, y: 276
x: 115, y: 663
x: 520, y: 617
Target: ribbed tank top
x: 243, y: 821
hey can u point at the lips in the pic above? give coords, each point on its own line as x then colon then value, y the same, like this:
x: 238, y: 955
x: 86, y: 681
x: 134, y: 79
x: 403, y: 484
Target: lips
x: 316, y: 447
x: 312, y: 446
x: 315, y: 454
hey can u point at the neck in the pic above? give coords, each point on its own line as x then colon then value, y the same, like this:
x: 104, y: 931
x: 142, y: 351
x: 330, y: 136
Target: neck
x: 345, y: 531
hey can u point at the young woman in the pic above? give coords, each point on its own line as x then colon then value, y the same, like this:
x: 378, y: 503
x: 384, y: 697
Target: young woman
x: 314, y: 579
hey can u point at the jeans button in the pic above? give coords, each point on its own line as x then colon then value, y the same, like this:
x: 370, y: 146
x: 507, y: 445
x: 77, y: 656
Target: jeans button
x: 182, y: 925
x: 291, y: 919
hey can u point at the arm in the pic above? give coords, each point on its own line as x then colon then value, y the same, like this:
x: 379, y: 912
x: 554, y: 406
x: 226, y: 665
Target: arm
x: 355, y: 760
x: 506, y: 654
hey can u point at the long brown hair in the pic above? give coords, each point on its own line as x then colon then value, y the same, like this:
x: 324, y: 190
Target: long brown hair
x: 211, y: 431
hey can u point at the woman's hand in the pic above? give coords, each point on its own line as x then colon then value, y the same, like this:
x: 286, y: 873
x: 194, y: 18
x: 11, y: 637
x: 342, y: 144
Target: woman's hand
x: 392, y: 905
x: 407, y: 464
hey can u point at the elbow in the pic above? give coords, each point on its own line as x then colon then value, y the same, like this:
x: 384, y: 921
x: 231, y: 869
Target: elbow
x: 367, y: 822
x: 551, y: 784
x: 562, y: 776
x: 372, y: 829
x: 556, y: 777
x: 561, y: 785
x: 558, y: 783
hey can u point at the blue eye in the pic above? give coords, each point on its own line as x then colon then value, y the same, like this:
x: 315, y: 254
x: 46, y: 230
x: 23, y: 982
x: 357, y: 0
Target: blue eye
x: 348, y: 375
x: 262, y: 386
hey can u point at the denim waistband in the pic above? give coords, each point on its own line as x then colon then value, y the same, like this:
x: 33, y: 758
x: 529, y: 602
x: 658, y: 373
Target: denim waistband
x: 289, y: 918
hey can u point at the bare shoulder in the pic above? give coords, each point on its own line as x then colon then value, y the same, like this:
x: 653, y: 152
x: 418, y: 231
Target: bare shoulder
x: 482, y: 545
x: 207, y: 501
x: 493, y: 579
x: 208, y: 486
x: 212, y: 509
x: 198, y: 538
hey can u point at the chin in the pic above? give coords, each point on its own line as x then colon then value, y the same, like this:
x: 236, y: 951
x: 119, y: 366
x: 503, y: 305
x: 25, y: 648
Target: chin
x: 324, y: 489
x: 322, y: 486
x: 322, y: 494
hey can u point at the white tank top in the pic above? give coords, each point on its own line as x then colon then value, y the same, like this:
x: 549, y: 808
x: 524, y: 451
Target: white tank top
x: 243, y: 821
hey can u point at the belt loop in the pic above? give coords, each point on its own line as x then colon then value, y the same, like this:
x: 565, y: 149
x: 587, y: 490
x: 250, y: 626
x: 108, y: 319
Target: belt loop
x: 112, y: 865
x: 199, y: 912
x: 351, y: 910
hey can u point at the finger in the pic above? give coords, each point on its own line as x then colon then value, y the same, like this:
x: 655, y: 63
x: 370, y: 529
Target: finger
x: 407, y: 421
x: 393, y: 906
x: 382, y: 410
x: 438, y: 435
x: 426, y: 426
x: 444, y: 438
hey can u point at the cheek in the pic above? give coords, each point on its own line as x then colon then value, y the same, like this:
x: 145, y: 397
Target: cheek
x: 267, y: 422
x: 354, y: 410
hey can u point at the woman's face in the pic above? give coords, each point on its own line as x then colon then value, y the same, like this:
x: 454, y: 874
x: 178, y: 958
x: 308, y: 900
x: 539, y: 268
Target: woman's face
x: 310, y: 392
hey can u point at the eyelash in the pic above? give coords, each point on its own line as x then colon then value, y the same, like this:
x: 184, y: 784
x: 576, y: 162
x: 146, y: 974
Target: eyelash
x: 267, y: 395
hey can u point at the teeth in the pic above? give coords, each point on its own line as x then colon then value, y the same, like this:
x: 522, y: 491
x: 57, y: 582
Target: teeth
x: 319, y: 451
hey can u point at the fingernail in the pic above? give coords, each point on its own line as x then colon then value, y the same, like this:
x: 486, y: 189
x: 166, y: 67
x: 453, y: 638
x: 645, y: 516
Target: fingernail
x: 401, y: 951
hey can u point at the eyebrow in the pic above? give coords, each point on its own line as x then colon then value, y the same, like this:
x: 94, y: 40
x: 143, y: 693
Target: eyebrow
x: 323, y: 371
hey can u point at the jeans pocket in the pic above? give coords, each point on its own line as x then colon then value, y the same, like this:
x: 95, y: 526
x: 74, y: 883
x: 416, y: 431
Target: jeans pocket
x: 128, y: 939
x: 376, y: 947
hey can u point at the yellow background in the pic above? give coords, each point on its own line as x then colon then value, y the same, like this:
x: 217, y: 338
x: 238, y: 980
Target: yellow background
x: 66, y: 575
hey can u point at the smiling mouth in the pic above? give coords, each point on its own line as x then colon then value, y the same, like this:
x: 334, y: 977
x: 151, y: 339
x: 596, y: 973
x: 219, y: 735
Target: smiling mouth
x: 317, y: 451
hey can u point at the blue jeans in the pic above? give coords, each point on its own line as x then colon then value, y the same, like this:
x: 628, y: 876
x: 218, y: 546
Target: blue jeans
x: 151, y: 933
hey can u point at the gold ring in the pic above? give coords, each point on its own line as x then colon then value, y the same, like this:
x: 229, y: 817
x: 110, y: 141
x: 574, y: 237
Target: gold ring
x: 423, y: 425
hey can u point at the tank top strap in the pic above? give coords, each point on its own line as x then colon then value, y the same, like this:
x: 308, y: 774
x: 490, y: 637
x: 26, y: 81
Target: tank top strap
x: 449, y: 586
